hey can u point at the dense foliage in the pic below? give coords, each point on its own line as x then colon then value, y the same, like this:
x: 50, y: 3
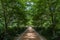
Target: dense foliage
x: 43, y: 15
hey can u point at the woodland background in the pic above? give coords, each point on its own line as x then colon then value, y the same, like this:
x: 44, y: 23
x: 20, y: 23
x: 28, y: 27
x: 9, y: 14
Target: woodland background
x: 43, y: 15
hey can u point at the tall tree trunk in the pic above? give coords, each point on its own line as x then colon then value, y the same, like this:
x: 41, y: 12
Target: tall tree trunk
x: 5, y: 17
x: 53, y: 15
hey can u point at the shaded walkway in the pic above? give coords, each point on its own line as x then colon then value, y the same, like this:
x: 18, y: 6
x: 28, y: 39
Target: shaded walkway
x: 30, y: 34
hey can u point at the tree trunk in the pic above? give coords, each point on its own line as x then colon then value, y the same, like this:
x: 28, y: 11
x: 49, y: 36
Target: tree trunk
x: 5, y: 16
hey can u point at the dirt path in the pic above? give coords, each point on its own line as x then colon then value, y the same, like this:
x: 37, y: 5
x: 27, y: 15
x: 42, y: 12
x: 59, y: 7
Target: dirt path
x: 30, y: 34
